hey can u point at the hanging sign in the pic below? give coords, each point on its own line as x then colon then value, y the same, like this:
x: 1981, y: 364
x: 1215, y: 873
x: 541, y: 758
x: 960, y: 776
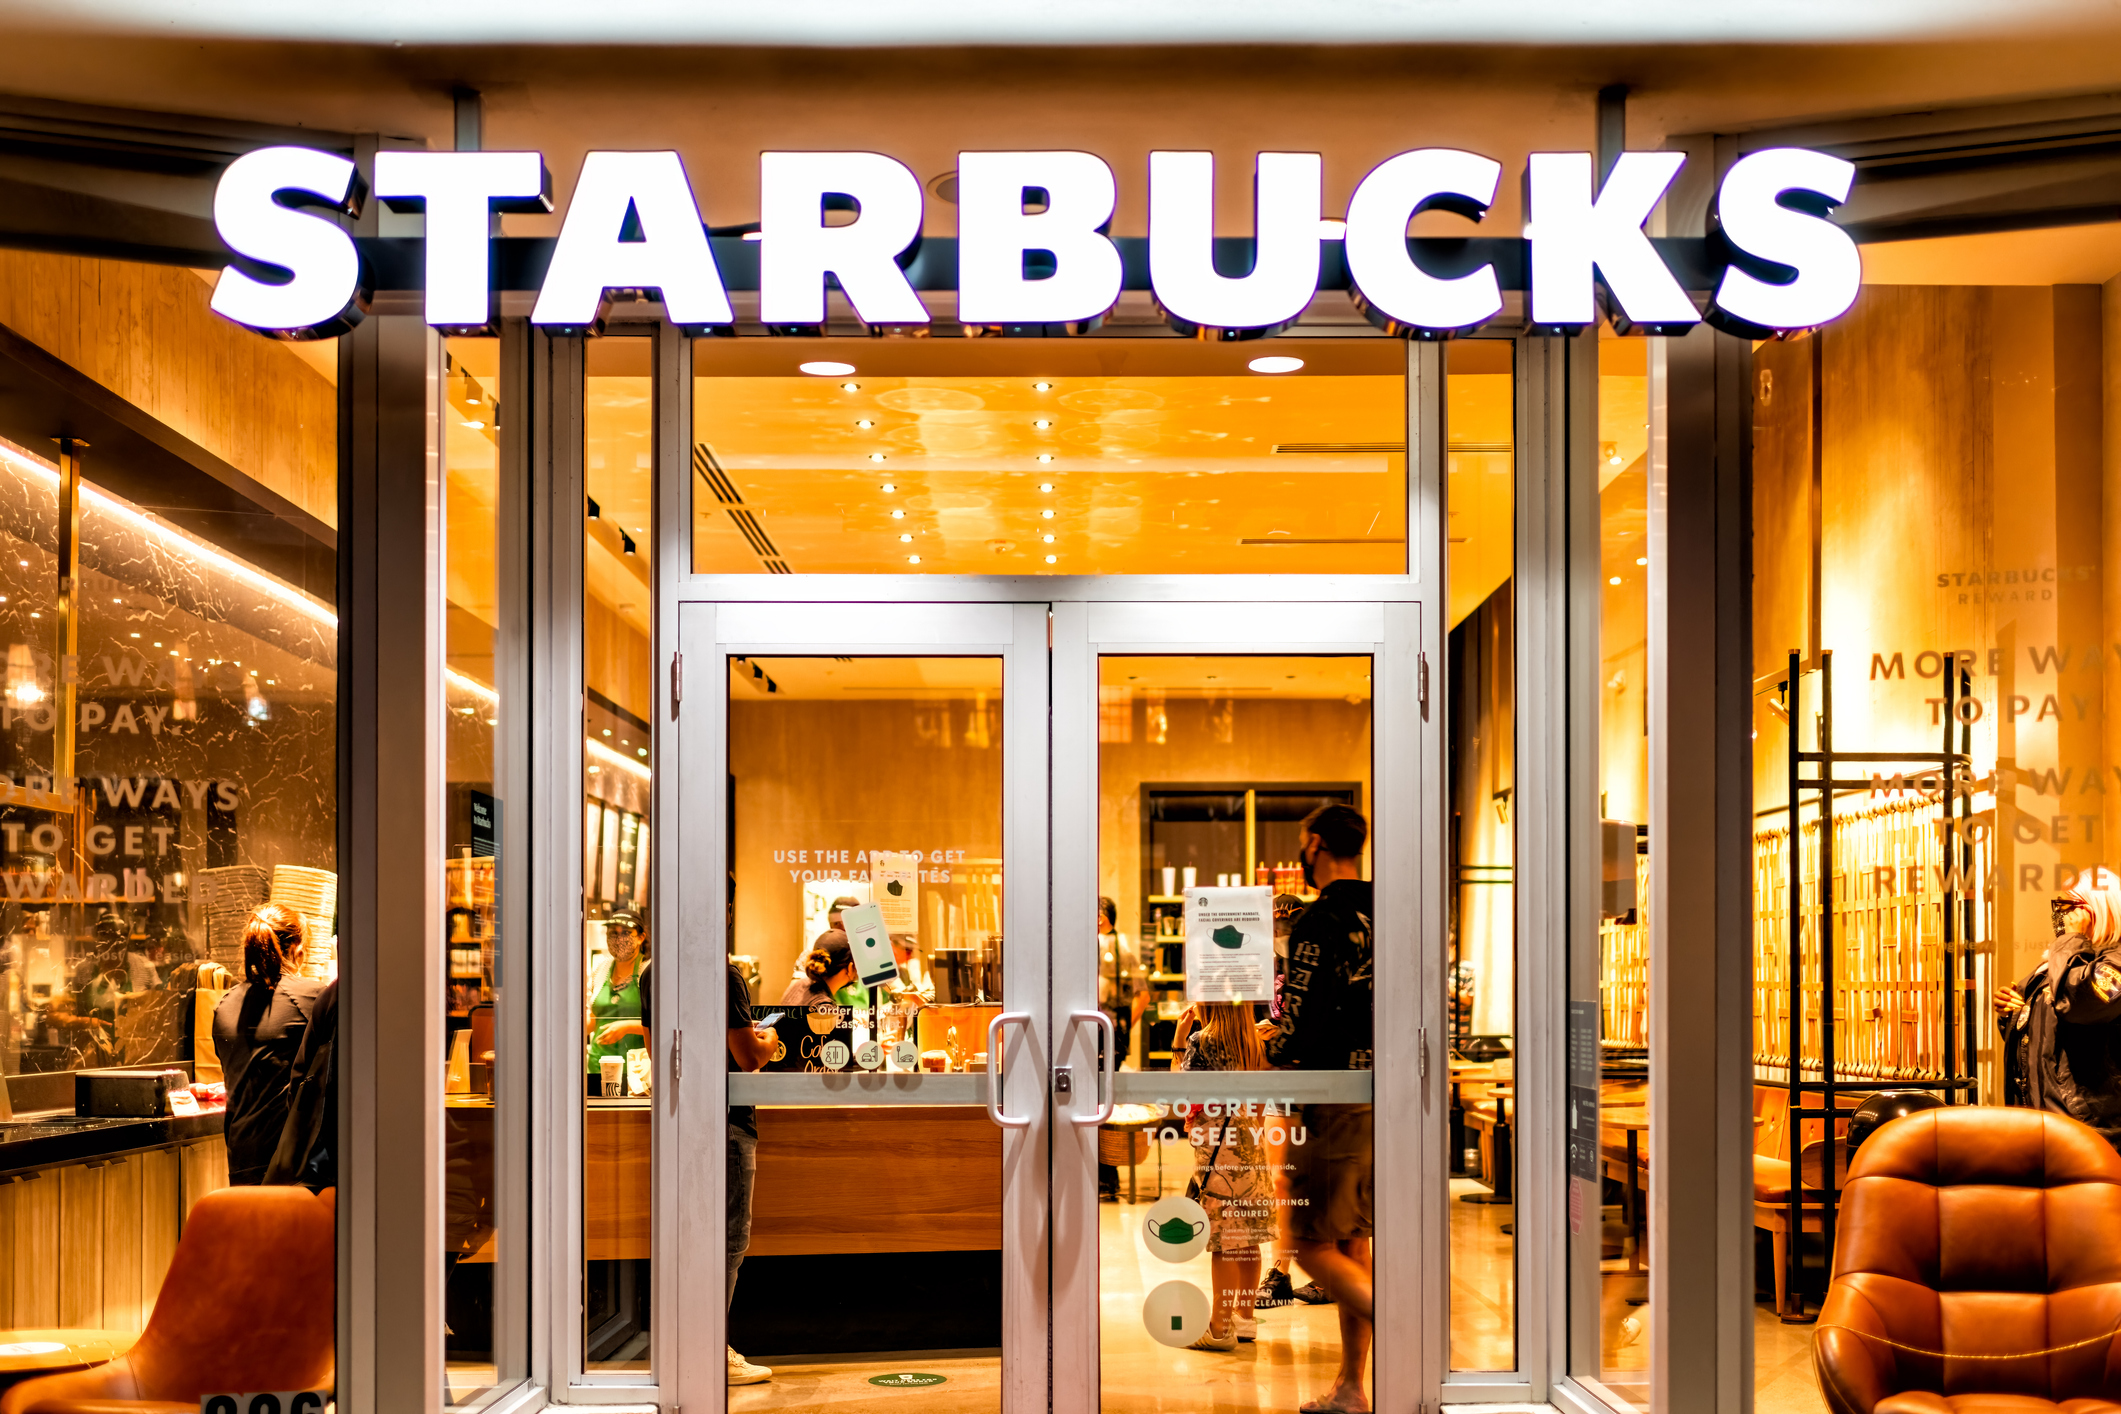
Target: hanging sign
x: 1034, y: 253
x: 895, y: 883
x: 871, y: 942
x: 1230, y: 945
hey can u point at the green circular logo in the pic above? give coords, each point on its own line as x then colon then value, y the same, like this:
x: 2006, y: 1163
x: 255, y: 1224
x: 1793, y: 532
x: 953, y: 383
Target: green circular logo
x: 907, y: 1380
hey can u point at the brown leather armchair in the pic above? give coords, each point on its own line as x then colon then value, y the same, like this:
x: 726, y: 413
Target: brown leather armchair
x: 249, y: 1305
x: 1974, y: 1232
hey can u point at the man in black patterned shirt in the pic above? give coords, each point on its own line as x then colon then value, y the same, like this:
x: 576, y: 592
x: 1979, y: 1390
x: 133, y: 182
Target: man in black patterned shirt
x: 1327, y: 1024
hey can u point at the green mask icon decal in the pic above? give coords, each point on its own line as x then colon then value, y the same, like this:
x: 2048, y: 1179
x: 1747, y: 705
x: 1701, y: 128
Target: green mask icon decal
x: 1229, y: 937
x: 1176, y: 1231
x: 894, y: 888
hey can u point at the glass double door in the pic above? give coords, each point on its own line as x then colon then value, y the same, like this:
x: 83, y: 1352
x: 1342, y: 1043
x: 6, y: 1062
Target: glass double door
x: 1062, y: 957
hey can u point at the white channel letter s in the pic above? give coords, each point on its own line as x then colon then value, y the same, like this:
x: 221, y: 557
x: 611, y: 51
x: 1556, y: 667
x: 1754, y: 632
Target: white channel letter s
x: 1284, y: 276
x: 1395, y: 293
x: 797, y: 249
x: 321, y: 299
x: 1574, y: 234
x: 672, y: 257
x: 1772, y: 206
x: 459, y: 191
x: 994, y: 233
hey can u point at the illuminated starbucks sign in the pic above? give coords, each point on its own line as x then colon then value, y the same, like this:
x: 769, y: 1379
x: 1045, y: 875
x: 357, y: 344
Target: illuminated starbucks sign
x: 1034, y: 253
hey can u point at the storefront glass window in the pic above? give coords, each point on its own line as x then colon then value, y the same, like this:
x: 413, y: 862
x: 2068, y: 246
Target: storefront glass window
x: 477, y: 1263
x: 168, y: 750
x: 618, y: 950
x: 1481, y: 727
x: 1935, y: 572
x: 1092, y: 456
x: 867, y: 808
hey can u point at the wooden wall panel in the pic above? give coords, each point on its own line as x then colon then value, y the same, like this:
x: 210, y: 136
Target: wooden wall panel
x: 935, y: 1174
x: 616, y: 1192
x: 203, y: 1169
x: 160, y: 1190
x: 36, y: 1274
x: 81, y: 1227
x: 125, y: 1295
x: 146, y: 333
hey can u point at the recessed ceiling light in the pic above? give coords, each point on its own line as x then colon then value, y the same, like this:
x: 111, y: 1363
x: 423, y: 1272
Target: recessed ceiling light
x: 1047, y: 537
x: 876, y: 456
x: 888, y: 487
x: 865, y: 423
x: 850, y: 387
x: 1042, y: 387
x: 1045, y: 514
x: 898, y: 515
x: 905, y: 540
x: 1642, y: 559
x: 1045, y: 486
x: 474, y: 424
x: 1052, y: 559
x: 1275, y: 363
x: 1042, y: 423
x: 913, y: 559
x: 1045, y: 456
x: 1614, y: 580
x: 825, y: 368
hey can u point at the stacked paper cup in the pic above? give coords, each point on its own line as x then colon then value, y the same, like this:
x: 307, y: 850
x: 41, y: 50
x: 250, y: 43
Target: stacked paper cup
x: 227, y: 897
x: 313, y: 893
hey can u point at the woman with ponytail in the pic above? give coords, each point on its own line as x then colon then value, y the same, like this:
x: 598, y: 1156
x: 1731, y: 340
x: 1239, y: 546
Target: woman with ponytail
x: 258, y: 1029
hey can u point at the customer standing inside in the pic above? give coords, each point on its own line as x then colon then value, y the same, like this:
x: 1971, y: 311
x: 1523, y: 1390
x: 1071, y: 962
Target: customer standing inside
x: 1326, y: 1024
x: 259, y: 1027
x: 1234, y: 1184
x: 822, y: 972
x: 2062, y: 1025
x: 749, y: 1048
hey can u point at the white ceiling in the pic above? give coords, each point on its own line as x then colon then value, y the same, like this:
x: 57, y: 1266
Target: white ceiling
x: 929, y: 22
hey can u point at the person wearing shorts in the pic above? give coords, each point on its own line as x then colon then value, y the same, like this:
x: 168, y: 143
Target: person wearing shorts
x: 1326, y: 1024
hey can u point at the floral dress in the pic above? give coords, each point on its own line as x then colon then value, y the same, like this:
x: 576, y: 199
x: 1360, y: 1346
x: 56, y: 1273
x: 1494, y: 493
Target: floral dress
x: 1235, y: 1178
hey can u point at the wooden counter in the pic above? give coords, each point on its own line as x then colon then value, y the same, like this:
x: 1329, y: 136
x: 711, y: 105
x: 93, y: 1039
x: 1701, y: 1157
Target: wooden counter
x: 935, y: 1172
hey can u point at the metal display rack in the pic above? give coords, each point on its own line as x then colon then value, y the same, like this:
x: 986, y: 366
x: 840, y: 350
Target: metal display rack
x: 1955, y: 768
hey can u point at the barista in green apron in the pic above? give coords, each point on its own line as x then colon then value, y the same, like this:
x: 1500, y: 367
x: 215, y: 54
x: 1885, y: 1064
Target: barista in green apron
x: 616, y: 1016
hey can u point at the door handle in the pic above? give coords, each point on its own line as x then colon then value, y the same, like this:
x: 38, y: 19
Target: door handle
x: 994, y: 1071
x: 1109, y: 1070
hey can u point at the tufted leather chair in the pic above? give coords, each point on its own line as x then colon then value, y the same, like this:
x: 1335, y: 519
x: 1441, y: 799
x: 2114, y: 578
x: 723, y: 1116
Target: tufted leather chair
x: 249, y: 1305
x: 1975, y: 1231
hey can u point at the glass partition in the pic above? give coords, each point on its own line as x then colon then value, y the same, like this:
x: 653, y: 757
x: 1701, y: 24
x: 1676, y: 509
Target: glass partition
x: 618, y: 950
x: 1235, y: 949
x: 1607, y: 1139
x: 866, y: 1242
x: 478, y: 1263
x: 1480, y: 743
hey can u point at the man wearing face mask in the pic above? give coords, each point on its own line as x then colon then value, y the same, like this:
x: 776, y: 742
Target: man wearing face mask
x: 617, y: 1018
x: 1326, y: 1024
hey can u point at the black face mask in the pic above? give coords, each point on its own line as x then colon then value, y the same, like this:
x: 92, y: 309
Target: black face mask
x: 1310, y: 852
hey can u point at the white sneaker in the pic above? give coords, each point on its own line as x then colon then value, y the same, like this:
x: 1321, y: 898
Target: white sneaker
x: 743, y: 1372
x: 1247, y: 1328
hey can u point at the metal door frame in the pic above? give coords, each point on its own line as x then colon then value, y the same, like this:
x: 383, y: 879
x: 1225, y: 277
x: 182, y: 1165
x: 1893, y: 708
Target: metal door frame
x: 694, y: 912
x: 1388, y: 626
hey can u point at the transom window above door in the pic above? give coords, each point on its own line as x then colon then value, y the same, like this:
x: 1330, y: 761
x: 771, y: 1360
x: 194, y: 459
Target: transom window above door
x: 1093, y: 456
